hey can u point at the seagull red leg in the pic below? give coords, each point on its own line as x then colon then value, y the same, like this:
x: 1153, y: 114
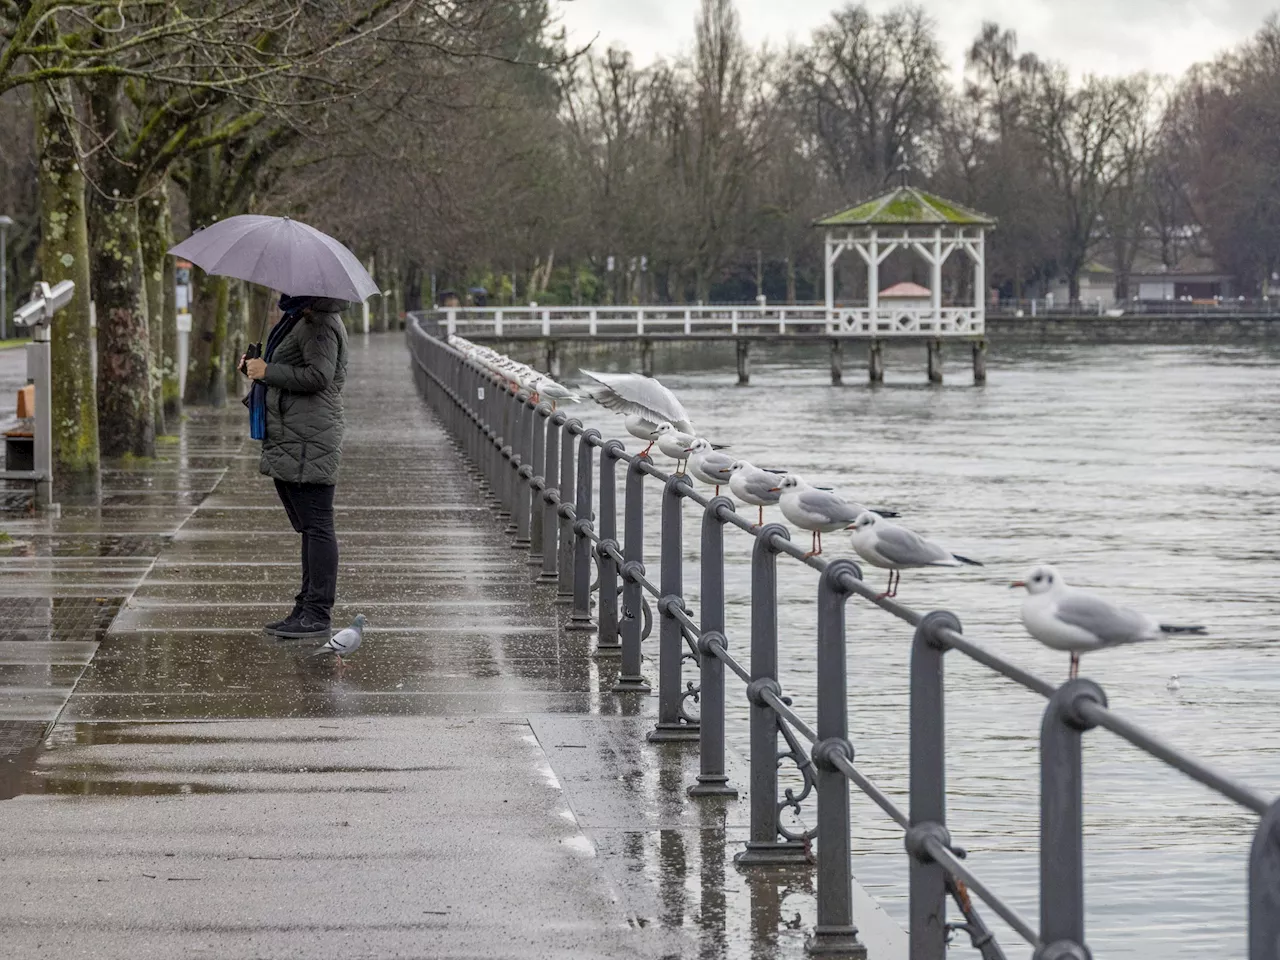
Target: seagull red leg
x: 1075, y: 666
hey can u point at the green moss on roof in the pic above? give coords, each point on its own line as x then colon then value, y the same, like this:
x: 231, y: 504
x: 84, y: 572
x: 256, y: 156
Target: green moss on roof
x: 907, y: 206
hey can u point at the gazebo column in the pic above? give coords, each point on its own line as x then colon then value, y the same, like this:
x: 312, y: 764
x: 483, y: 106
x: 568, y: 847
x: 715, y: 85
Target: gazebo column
x: 873, y: 277
x: 831, y: 278
x: 937, y: 274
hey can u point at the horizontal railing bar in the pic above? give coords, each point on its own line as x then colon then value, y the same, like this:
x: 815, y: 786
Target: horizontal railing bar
x: 871, y: 790
x: 957, y: 868
x: 727, y: 659
x: 786, y: 713
x: 989, y: 659
x: 1122, y: 728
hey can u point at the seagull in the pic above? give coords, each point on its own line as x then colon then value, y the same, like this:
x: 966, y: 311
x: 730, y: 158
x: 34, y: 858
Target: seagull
x: 1065, y: 618
x: 634, y: 395
x: 553, y: 391
x: 816, y: 510
x: 755, y: 486
x: 706, y: 464
x: 344, y: 641
x: 675, y: 444
x: 1173, y: 683
x: 642, y: 429
x: 889, y: 546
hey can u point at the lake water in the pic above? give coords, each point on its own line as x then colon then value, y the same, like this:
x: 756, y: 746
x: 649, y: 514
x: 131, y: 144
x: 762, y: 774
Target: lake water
x: 1148, y: 473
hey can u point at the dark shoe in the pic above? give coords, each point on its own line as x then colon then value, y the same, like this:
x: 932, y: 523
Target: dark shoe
x: 305, y: 626
x: 273, y: 629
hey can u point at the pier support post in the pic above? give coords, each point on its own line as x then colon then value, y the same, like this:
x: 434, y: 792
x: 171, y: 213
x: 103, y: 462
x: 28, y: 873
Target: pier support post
x: 875, y: 361
x: 837, y: 363
x: 553, y: 360
x: 935, y: 360
x: 646, y: 357
x: 979, y: 362
x: 744, y: 362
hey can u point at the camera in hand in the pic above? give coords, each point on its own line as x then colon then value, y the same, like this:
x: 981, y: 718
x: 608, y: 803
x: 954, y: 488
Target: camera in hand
x: 251, y: 352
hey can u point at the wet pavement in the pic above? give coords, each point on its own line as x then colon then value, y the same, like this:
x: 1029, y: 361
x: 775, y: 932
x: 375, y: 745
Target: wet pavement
x: 464, y: 787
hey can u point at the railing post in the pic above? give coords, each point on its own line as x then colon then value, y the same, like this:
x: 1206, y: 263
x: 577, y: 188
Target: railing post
x: 538, y: 485
x: 522, y: 460
x: 928, y: 789
x: 764, y: 848
x: 835, y: 932
x: 510, y: 408
x: 580, y: 618
x: 630, y: 680
x: 564, y: 558
x: 550, y: 501
x: 673, y: 725
x: 1062, y: 822
x: 607, y: 643
x: 1264, y: 888
x: 712, y: 779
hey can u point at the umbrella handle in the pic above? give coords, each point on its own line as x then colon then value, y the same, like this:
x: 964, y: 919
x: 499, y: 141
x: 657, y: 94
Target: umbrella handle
x: 252, y: 352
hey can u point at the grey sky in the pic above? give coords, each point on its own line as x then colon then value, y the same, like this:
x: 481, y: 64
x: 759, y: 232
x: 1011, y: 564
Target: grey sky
x: 1101, y: 36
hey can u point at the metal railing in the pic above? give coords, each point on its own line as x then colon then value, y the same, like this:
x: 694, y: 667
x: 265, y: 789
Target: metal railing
x: 539, y: 467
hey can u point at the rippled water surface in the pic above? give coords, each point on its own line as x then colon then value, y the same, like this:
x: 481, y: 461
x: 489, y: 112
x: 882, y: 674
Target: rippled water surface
x: 1148, y: 473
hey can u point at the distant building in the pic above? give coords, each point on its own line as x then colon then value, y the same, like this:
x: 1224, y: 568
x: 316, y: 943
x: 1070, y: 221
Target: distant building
x: 1191, y: 278
x: 1097, y: 283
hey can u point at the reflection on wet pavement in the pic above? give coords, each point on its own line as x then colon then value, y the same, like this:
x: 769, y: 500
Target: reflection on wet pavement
x: 465, y: 786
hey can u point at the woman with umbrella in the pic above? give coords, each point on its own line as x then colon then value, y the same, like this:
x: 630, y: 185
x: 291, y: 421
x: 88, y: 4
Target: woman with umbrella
x: 296, y: 399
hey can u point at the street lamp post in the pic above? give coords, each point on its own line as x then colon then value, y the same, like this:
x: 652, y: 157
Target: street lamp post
x: 5, y: 224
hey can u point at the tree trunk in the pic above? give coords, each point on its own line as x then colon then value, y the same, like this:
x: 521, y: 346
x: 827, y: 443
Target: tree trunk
x: 64, y: 255
x: 1073, y: 285
x: 162, y: 305
x: 205, y: 383
x: 237, y: 336
x: 126, y: 414
x: 126, y: 417
x: 791, y: 280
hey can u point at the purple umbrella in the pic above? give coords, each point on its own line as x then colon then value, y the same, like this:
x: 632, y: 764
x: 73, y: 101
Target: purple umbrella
x: 283, y: 254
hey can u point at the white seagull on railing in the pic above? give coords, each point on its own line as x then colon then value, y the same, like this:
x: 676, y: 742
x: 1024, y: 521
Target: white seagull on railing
x: 757, y: 487
x: 816, y: 510
x: 1064, y: 618
x: 891, y: 547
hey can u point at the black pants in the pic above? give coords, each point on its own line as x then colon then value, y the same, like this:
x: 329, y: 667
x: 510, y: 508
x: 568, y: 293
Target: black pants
x: 310, y: 509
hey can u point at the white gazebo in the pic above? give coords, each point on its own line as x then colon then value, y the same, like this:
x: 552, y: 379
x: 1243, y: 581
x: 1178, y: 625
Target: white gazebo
x: 929, y: 226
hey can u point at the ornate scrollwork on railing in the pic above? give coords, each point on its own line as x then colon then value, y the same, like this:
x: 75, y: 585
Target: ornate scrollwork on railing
x: 691, y: 694
x: 796, y: 753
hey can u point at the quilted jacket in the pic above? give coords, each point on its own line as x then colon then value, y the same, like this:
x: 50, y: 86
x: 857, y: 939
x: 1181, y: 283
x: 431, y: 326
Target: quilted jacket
x: 304, y: 381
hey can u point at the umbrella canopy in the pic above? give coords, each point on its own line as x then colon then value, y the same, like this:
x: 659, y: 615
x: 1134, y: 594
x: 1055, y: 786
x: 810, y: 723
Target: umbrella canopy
x: 283, y: 254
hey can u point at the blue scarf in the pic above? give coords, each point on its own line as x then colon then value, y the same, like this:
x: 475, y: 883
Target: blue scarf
x: 256, y: 401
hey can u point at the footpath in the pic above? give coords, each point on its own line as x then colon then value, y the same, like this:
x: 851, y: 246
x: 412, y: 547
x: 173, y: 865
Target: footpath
x: 463, y: 788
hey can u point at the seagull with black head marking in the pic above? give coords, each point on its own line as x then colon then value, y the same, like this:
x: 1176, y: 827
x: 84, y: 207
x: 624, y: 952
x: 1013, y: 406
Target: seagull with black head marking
x: 1064, y: 618
x: 892, y: 547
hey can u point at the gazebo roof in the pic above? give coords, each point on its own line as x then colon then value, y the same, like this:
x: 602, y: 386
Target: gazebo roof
x: 907, y: 206
x: 906, y: 291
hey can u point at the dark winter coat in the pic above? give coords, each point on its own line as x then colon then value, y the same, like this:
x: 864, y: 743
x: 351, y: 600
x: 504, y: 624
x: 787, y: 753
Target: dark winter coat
x: 304, y: 379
